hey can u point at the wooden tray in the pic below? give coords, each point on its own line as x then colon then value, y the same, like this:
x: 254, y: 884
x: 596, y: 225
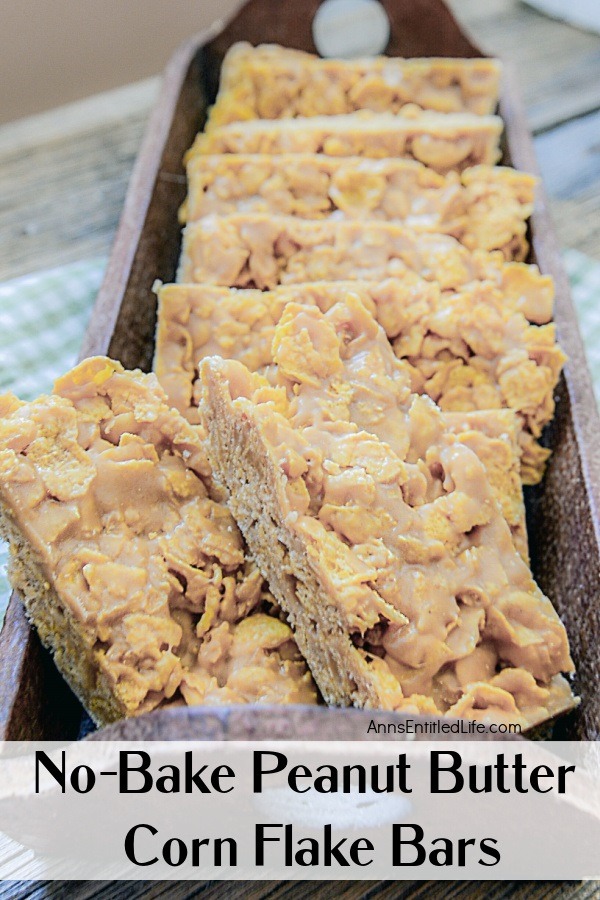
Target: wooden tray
x: 562, y: 512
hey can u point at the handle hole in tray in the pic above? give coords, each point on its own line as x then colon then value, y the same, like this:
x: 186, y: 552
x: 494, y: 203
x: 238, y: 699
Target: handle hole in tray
x: 351, y: 28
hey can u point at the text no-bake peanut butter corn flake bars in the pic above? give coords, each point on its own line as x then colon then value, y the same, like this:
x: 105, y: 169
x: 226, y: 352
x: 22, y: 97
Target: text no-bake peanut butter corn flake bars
x: 130, y: 566
x: 485, y: 207
x: 378, y: 530
x: 273, y: 82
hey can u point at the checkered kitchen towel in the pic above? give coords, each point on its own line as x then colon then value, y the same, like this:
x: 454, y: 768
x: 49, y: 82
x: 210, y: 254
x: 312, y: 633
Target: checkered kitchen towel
x: 43, y: 317
x: 42, y: 321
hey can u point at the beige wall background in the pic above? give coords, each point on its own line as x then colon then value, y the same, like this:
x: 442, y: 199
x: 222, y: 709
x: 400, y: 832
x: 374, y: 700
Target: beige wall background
x: 56, y: 51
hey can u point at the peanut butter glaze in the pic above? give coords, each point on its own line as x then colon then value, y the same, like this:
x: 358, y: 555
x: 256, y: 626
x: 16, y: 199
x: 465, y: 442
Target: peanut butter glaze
x: 484, y: 208
x: 400, y: 524
x: 273, y: 82
x: 113, y: 491
x: 201, y: 320
x: 441, y: 141
x: 261, y: 251
x: 471, y: 349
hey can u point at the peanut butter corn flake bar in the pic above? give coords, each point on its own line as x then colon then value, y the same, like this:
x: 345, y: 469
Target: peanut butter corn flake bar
x: 129, y: 564
x: 442, y: 142
x: 378, y: 530
x: 257, y: 250
x: 273, y: 82
x: 195, y: 321
x: 485, y: 208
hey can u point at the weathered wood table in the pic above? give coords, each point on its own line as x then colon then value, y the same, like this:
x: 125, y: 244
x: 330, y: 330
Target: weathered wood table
x: 63, y: 177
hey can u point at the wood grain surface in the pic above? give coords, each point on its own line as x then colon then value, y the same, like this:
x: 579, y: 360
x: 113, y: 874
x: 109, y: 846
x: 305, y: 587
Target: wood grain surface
x: 63, y: 178
x: 63, y: 175
x: 558, y: 66
x: 299, y: 890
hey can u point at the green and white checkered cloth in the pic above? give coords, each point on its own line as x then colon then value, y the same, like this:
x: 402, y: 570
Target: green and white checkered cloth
x: 42, y: 321
x: 584, y: 275
x: 43, y: 318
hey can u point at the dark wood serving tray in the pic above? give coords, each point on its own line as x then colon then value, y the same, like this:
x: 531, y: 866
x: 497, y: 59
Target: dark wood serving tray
x: 563, y: 516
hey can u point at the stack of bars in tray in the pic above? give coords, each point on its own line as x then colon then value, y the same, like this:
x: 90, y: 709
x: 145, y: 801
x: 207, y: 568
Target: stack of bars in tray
x: 352, y: 375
